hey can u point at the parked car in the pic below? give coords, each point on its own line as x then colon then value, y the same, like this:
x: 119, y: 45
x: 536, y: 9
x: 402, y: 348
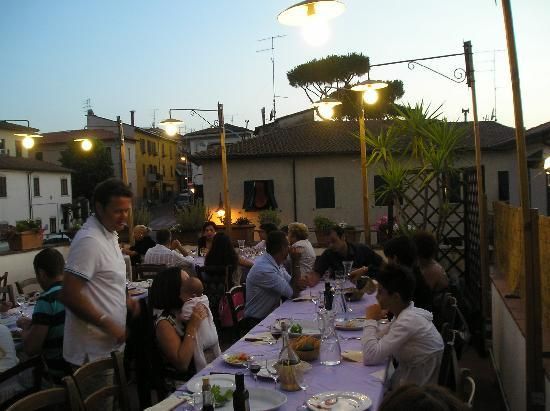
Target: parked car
x: 182, y: 200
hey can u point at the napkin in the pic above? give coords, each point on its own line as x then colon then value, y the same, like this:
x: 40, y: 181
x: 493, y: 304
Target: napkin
x: 170, y: 403
x: 380, y: 374
x: 356, y: 356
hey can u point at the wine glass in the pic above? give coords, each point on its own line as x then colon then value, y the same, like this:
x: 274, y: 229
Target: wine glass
x: 22, y: 303
x: 275, y: 331
x: 348, y: 265
x: 272, y: 371
x: 254, y: 367
x: 339, y: 278
x: 303, y: 382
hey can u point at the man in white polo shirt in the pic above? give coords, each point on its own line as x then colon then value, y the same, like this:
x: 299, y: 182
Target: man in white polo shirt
x: 165, y: 253
x: 94, y: 290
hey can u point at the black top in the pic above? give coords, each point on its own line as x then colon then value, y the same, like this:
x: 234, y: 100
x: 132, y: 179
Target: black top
x: 360, y: 254
x: 141, y: 246
x: 423, y: 296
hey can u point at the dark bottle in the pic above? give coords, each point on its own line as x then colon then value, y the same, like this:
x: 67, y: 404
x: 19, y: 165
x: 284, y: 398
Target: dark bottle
x: 207, y: 400
x: 240, y: 396
x: 328, y: 297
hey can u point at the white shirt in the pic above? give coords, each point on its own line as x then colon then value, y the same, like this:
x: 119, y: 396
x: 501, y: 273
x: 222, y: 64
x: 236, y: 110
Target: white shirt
x: 307, y: 258
x: 207, y: 336
x: 95, y: 256
x: 161, y: 254
x: 413, y: 340
x: 8, y: 357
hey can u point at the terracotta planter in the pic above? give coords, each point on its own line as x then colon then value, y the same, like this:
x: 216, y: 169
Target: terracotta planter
x: 187, y: 237
x: 239, y: 232
x: 25, y: 240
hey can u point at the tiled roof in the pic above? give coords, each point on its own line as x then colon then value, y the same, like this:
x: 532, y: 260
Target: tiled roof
x: 29, y: 164
x: 159, y: 132
x: 4, y: 125
x: 541, y: 128
x: 57, y: 137
x: 216, y: 131
x: 338, y: 137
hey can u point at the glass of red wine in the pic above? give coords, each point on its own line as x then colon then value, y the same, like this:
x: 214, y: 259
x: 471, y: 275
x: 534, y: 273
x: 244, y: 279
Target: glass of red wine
x: 254, y: 367
x: 275, y: 330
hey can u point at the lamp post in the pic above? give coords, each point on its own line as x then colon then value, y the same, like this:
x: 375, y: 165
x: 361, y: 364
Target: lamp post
x: 171, y: 125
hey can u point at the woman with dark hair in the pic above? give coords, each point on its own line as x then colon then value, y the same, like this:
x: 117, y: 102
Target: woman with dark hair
x: 433, y: 273
x: 401, y: 250
x: 176, y: 340
x: 205, y: 241
x: 222, y: 253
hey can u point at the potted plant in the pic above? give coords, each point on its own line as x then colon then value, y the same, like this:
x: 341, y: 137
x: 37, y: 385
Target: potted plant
x: 269, y: 216
x: 241, y: 229
x: 189, y: 221
x: 383, y: 229
x: 75, y: 226
x: 322, y: 227
x: 352, y: 235
x: 26, y: 235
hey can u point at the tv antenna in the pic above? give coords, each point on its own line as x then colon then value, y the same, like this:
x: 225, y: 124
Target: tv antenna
x: 273, y: 113
x: 87, y: 105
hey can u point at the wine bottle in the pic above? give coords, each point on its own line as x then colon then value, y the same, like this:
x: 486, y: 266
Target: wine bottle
x: 207, y: 400
x: 328, y: 297
x: 241, y: 395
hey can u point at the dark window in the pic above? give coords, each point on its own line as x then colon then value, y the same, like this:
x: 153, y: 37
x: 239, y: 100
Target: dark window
x: 53, y: 224
x: 38, y: 155
x: 324, y: 192
x: 503, y: 186
x: 2, y: 144
x: 379, y: 198
x: 259, y: 195
x: 163, y: 154
x: 64, y: 187
x: 455, y: 185
x: 36, y: 185
x: 142, y: 146
x: 163, y: 170
x: 3, y: 187
x: 18, y: 148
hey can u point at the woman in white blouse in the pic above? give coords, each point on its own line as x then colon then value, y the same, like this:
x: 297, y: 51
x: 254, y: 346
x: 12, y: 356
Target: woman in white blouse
x: 298, y: 238
x: 411, y: 337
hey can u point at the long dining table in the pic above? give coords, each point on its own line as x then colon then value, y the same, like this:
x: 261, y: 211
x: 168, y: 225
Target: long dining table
x: 347, y: 376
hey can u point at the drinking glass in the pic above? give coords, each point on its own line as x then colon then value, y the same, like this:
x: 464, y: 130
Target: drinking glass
x: 348, y: 265
x: 241, y: 245
x: 197, y: 401
x: 303, y: 382
x: 254, y: 367
x: 339, y: 278
x: 275, y: 331
x: 270, y: 367
x: 21, y: 302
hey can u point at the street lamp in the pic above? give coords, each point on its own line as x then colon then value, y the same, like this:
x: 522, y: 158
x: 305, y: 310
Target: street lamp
x: 28, y: 139
x: 369, y: 88
x: 171, y: 124
x: 312, y: 16
x: 325, y: 107
x: 85, y: 143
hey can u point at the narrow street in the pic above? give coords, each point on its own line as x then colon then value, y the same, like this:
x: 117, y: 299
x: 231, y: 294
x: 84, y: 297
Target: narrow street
x: 162, y: 216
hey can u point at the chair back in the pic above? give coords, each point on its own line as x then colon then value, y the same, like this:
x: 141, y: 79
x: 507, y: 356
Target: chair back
x: 449, y: 309
x: 236, y: 298
x: 47, y: 398
x: 36, y: 366
x: 22, y: 285
x: 449, y: 371
x: 147, y: 271
x: 215, y: 280
x: 4, y: 280
x: 467, y: 387
x: 119, y: 388
x: 7, y: 294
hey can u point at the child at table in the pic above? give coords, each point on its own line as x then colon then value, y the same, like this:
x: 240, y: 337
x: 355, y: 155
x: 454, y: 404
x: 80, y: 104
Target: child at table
x: 207, y: 347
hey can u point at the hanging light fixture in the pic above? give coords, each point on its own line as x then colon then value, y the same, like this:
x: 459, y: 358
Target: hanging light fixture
x: 220, y: 211
x: 171, y: 125
x: 369, y: 88
x: 28, y: 139
x: 325, y: 107
x: 304, y: 12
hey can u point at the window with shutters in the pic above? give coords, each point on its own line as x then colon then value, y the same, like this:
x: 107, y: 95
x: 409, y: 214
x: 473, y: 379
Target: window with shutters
x: 18, y: 148
x: 259, y: 195
x: 3, y: 187
x: 142, y: 146
x: 324, y: 192
x: 36, y: 186
x: 503, y: 186
x: 64, y: 187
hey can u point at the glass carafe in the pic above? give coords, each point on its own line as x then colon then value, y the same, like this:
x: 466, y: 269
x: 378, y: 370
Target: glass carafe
x: 339, y: 306
x: 330, y: 352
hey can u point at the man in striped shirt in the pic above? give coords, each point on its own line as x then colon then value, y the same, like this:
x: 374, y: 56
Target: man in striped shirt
x: 43, y: 334
x: 165, y: 253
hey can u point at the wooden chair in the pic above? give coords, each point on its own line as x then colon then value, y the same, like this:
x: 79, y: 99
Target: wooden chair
x: 4, y: 280
x: 467, y: 387
x: 236, y: 297
x: 147, y: 271
x: 215, y: 280
x: 7, y: 294
x: 53, y: 397
x: 36, y: 366
x: 118, y: 390
x: 448, y: 312
x: 21, y: 285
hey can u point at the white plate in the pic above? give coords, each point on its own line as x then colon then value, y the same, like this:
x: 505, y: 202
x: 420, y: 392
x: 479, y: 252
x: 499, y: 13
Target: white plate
x: 261, y: 399
x: 225, y: 381
x: 345, y: 401
x: 228, y: 360
x: 356, y: 324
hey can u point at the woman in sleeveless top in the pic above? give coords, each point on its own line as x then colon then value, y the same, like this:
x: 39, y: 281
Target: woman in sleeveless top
x: 175, y: 340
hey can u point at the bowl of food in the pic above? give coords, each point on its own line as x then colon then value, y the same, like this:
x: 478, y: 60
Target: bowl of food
x: 306, y: 347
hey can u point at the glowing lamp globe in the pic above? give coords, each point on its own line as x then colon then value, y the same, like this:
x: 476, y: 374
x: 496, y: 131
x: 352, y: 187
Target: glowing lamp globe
x: 325, y: 107
x: 28, y: 142
x: 171, y: 126
x: 370, y: 96
x: 86, y: 145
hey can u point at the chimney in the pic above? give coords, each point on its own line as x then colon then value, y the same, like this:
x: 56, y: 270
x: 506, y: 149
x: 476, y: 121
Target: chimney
x: 263, y: 116
x: 132, y: 117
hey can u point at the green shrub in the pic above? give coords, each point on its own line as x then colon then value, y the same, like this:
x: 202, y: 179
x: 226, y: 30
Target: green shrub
x: 192, y: 218
x: 269, y: 216
x: 323, y: 223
